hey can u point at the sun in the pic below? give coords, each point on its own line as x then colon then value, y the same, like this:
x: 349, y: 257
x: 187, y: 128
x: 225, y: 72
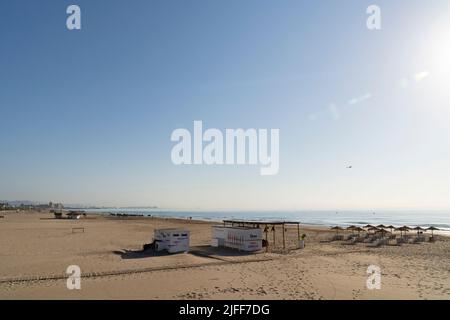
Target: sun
x: 432, y: 72
x: 437, y: 52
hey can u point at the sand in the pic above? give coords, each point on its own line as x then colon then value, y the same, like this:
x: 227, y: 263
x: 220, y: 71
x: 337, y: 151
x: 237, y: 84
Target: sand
x: 36, y: 249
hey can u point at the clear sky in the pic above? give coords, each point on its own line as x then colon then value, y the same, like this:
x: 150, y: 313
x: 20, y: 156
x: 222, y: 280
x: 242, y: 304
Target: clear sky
x: 86, y: 115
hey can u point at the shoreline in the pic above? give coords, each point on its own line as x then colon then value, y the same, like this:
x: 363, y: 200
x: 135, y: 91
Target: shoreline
x: 325, y: 227
x: 306, y: 225
x: 108, y: 214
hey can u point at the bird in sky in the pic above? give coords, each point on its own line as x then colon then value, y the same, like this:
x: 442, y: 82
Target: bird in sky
x: 349, y: 167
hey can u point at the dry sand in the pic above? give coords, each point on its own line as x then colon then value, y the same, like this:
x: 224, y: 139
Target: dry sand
x: 35, y: 246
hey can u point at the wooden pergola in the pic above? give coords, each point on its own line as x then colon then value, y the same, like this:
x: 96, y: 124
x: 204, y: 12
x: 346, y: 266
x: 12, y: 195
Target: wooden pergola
x: 266, y: 225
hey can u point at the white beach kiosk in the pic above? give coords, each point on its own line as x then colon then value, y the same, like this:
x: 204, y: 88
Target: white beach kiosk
x: 171, y: 240
x: 242, y: 238
x: 247, y: 235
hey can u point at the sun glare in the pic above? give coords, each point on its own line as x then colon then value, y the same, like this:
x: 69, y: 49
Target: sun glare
x: 438, y: 50
x: 434, y: 69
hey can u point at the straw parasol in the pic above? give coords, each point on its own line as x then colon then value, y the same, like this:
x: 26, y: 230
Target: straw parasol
x: 374, y: 229
x: 418, y: 229
x: 381, y: 226
x: 432, y: 229
x: 369, y: 226
x: 351, y: 228
x: 403, y: 229
x: 337, y: 228
x: 358, y: 229
x: 382, y: 229
x: 406, y: 228
x: 391, y: 227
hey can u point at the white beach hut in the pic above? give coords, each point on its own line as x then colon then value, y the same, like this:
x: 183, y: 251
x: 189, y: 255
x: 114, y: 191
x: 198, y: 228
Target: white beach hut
x: 171, y: 240
x: 241, y: 238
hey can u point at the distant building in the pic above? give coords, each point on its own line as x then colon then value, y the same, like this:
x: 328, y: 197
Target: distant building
x: 5, y: 206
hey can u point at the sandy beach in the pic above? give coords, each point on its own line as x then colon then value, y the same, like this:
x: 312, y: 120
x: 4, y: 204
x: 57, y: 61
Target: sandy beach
x: 36, y: 249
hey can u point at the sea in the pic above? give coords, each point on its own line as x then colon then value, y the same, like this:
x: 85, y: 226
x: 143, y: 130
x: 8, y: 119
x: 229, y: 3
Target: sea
x: 412, y: 218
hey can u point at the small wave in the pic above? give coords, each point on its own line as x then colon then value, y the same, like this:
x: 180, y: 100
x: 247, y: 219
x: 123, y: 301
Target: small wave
x: 358, y: 222
x: 437, y: 225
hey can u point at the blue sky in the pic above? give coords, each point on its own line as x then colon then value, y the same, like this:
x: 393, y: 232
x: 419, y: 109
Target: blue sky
x: 87, y: 115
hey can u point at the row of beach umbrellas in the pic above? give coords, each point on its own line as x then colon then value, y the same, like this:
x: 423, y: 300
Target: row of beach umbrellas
x: 383, y: 228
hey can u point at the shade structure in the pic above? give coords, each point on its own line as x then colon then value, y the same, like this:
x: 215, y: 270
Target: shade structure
x: 403, y: 229
x: 381, y: 226
x: 337, y: 228
x: 268, y: 225
x: 374, y: 229
x: 358, y: 229
x: 369, y: 226
x: 351, y: 228
x: 418, y: 229
x: 432, y: 229
x: 399, y: 229
x: 391, y: 227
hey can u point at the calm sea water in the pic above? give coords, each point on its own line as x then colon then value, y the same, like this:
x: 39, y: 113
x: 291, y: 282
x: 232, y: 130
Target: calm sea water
x: 439, y: 219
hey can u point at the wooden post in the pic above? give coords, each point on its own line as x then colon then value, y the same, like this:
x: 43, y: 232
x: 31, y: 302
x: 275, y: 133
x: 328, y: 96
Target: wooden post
x: 274, y: 236
x: 284, y: 241
x: 267, y: 242
x: 298, y: 234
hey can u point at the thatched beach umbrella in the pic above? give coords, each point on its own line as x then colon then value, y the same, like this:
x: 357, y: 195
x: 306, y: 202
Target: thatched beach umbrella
x: 381, y: 228
x: 353, y: 229
x: 403, y: 229
x: 432, y: 229
x: 374, y: 229
x: 358, y: 229
x: 391, y: 227
x: 369, y: 226
x: 418, y: 229
x: 337, y: 228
